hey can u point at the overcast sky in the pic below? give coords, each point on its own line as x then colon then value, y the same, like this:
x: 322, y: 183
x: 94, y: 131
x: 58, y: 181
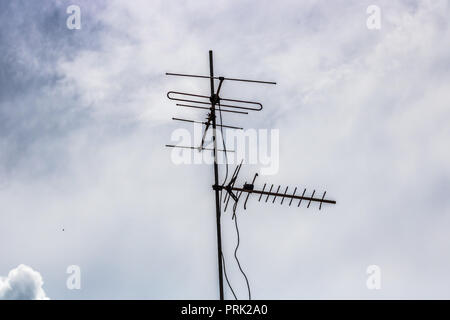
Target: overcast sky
x: 361, y: 113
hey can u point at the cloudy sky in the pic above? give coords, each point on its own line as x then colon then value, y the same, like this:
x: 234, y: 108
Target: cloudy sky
x: 361, y: 113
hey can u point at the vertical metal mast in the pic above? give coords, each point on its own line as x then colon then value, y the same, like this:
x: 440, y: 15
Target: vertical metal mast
x: 216, y: 174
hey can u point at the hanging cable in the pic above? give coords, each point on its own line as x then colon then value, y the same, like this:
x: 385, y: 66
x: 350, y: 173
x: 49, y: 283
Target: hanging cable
x: 236, y: 249
x: 235, y: 218
x: 234, y: 215
x: 226, y: 277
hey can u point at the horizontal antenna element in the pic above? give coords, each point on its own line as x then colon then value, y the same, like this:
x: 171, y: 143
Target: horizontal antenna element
x: 217, y: 78
x: 204, y: 122
x: 196, y: 148
x: 218, y: 99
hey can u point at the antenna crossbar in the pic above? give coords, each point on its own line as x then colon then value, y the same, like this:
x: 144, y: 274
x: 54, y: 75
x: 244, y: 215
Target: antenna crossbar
x: 258, y: 108
x: 217, y: 78
x: 284, y: 195
x: 196, y: 148
x: 205, y: 123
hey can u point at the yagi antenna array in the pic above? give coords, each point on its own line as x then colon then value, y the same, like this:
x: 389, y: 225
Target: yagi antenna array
x: 198, y: 101
x: 248, y: 188
x: 238, y: 106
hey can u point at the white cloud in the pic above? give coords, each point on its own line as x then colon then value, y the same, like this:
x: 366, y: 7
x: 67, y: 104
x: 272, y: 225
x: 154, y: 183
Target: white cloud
x: 22, y: 283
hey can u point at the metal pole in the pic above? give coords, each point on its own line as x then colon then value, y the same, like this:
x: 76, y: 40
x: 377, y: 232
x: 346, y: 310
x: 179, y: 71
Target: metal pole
x: 216, y: 175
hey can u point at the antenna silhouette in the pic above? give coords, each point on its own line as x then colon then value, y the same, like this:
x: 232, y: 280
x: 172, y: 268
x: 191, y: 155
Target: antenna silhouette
x: 194, y: 100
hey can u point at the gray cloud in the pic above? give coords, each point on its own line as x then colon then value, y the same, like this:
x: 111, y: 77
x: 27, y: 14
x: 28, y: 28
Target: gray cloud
x: 361, y: 113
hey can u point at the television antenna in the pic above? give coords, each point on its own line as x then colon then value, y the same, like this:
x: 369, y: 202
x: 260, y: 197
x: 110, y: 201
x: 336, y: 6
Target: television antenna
x: 197, y: 101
